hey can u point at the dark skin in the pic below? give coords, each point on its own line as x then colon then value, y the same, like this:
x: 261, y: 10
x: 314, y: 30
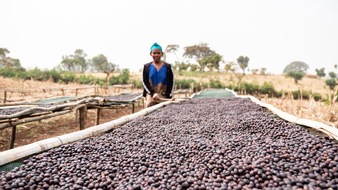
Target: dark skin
x: 156, y: 54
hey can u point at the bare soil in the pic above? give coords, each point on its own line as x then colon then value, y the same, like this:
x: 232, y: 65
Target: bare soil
x: 60, y: 125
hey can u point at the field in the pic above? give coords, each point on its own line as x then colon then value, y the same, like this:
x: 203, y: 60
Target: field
x: 34, y: 90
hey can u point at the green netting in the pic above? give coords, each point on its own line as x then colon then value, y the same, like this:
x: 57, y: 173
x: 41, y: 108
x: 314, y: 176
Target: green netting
x: 10, y: 166
x: 54, y: 100
x: 214, y: 93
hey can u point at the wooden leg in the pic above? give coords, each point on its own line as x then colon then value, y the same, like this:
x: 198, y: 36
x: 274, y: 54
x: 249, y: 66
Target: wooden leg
x: 98, y: 113
x: 82, y: 115
x: 11, y: 143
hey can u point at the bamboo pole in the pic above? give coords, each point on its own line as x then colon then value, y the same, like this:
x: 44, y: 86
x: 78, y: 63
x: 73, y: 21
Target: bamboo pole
x: 6, y: 125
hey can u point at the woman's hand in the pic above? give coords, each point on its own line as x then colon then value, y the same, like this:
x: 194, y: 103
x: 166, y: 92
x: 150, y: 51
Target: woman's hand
x: 156, y: 96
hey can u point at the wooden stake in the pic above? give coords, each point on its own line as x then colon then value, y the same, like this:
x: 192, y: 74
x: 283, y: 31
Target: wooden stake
x: 98, y: 113
x: 11, y: 143
x: 82, y: 115
x: 5, y: 96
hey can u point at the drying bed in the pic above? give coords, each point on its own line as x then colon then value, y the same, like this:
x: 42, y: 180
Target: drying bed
x: 215, y: 143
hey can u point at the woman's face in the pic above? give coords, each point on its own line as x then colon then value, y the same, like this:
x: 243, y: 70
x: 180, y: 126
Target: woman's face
x: 156, y: 54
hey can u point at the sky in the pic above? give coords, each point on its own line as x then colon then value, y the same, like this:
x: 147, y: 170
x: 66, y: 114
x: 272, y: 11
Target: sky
x: 272, y: 33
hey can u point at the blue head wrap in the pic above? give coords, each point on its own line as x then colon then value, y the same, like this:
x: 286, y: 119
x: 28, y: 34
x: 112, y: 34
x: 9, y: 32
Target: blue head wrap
x: 155, y: 46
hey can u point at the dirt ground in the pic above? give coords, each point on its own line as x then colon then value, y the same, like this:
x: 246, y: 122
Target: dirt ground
x: 48, y: 128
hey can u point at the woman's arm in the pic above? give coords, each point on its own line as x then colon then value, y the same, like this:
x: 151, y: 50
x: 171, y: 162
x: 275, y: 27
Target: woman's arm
x: 170, y: 85
x: 145, y: 80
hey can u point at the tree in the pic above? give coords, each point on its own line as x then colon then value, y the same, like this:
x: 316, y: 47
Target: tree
x: 101, y: 64
x: 296, y: 75
x: 321, y: 72
x: 262, y: 71
x: 3, y: 52
x: 331, y: 83
x: 243, y: 62
x: 332, y: 75
x: 227, y: 67
x: 198, y: 52
x: 212, y: 59
x: 194, y: 67
x: 182, y: 66
x: 172, y: 48
x: 234, y: 69
x: 76, y: 62
x: 81, y: 62
x: 296, y: 66
x: 254, y: 71
x: 8, y: 62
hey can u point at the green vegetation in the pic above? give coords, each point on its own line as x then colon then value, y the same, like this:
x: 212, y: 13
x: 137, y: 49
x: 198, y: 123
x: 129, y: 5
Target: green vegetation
x: 296, y: 75
x: 64, y: 77
x: 124, y: 78
x: 296, y: 70
x: 72, y: 69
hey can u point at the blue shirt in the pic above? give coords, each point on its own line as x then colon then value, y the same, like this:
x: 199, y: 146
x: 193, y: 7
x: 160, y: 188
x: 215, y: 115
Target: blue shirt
x: 158, y: 77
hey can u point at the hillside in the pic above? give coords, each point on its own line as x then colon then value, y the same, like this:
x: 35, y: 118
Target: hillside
x: 280, y: 82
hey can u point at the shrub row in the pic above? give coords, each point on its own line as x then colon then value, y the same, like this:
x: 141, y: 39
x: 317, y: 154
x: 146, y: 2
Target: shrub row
x: 123, y: 78
x: 62, y: 77
x: 249, y: 88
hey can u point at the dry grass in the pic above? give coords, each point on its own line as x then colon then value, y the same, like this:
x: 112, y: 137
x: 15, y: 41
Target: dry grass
x: 18, y: 90
x: 308, y: 109
x: 280, y: 82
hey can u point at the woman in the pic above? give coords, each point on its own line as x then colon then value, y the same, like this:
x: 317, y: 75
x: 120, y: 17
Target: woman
x: 158, y: 78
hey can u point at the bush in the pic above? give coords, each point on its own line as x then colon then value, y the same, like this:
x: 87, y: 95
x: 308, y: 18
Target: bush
x: 297, y: 94
x: 250, y: 88
x: 68, y: 77
x: 185, y: 83
x: 113, y: 80
x: 122, y: 78
x: 9, y: 72
x: 137, y: 84
x: 317, y: 96
x: 85, y: 79
x: 267, y: 88
x: 35, y: 74
x: 53, y: 75
x: 215, y: 84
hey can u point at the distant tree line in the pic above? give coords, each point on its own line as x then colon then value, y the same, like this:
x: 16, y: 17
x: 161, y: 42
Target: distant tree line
x: 206, y: 59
